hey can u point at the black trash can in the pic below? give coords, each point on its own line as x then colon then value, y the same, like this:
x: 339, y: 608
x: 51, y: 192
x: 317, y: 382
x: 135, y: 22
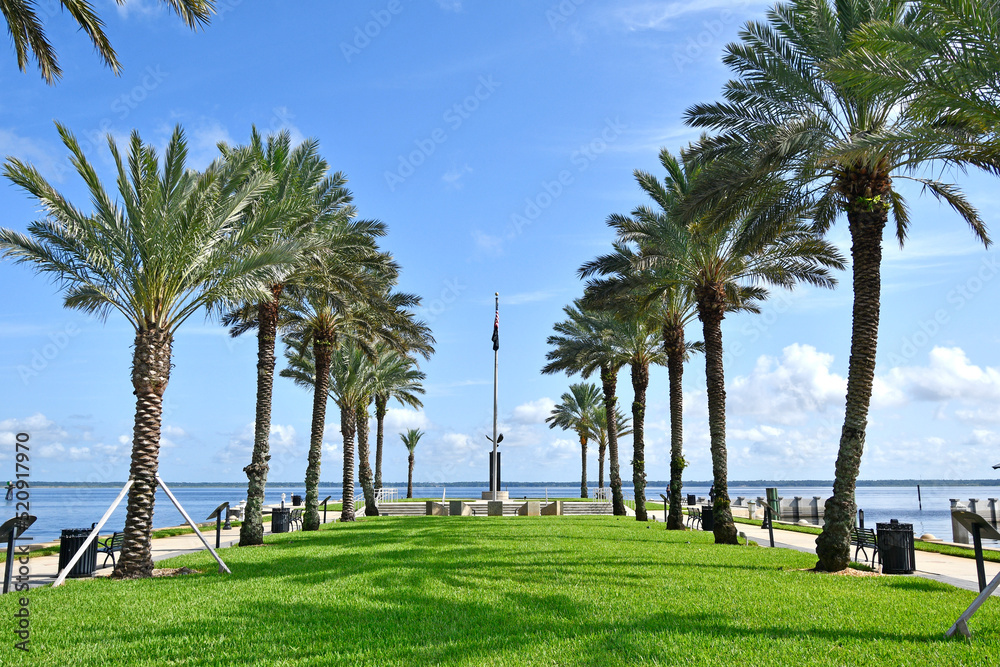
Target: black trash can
x: 70, y: 542
x: 707, y: 518
x: 895, y: 545
x: 691, y: 499
x: 279, y: 519
x: 296, y: 500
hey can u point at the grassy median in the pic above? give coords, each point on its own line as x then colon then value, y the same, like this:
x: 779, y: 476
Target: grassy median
x: 501, y: 591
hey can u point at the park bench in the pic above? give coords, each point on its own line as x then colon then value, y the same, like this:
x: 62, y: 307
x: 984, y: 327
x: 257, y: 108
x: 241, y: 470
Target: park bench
x: 863, y: 539
x: 109, y: 545
x: 295, y: 518
x: 694, y: 518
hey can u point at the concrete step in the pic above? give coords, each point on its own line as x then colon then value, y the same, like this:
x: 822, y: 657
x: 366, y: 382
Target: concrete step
x: 583, y: 508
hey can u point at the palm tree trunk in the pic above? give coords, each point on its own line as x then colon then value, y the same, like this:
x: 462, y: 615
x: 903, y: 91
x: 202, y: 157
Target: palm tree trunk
x: 409, y: 477
x: 583, y: 476
x: 150, y: 374
x: 322, y: 349
x: 602, y: 448
x: 833, y: 544
x: 673, y: 343
x: 347, y: 429
x: 364, y: 468
x: 640, y: 381
x: 711, y: 310
x: 381, y: 402
x: 609, y: 381
x: 252, y: 528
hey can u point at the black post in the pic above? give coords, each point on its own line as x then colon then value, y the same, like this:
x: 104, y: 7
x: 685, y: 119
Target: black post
x: 325, y: 501
x: 919, y: 501
x: 977, y: 542
x: 769, y: 522
x: 861, y: 519
x: 218, y: 530
x: 9, y: 569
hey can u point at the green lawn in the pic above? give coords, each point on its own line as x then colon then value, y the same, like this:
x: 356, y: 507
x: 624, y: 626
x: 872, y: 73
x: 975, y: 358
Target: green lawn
x: 511, y: 591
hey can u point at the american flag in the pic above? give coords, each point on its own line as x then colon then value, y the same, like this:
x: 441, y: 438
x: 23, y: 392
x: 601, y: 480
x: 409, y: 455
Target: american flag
x: 496, y: 332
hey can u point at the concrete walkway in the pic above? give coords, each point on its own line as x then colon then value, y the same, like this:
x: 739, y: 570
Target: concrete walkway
x: 45, y: 569
x: 960, y: 572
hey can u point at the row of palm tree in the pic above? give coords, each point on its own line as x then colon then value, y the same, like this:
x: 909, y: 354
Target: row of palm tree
x: 334, y: 355
x: 266, y: 237
x: 810, y: 104
x: 581, y: 410
x: 828, y: 105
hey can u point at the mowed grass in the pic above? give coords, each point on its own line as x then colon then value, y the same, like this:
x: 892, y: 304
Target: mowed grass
x: 502, y: 591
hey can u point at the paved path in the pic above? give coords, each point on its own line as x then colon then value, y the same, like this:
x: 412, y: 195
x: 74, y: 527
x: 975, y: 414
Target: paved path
x: 960, y: 572
x: 45, y: 569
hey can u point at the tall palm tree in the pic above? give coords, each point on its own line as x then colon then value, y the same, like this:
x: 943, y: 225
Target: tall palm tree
x: 348, y: 381
x: 396, y: 376
x: 175, y: 242
x: 638, y: 341
x: 410, y: 440
x: 28, y: 33
x: 844, y: 146
x: 942, y: 58
x: 599, y: 433
x: 574, y: 413
x: 723, y: 262
x: 584, y: 344
x: 667, y: 300
x: 316, y: 207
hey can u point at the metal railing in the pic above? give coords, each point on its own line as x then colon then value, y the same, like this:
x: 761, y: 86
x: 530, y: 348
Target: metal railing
x: 386, y: 495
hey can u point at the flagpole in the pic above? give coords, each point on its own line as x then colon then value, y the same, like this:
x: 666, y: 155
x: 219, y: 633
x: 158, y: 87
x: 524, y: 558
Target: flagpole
x: 496, y: 354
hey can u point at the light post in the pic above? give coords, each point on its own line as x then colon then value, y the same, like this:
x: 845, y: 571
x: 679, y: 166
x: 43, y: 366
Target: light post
x: 495, y: 464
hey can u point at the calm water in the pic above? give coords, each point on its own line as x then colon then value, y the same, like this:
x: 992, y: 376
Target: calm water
x: 59, y: 508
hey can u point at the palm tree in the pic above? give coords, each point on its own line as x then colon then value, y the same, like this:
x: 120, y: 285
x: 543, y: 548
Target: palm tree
x: 943, y: 59
x: 574, y: 414
x: 599, y: 433
x: 174, y: 243
x: 410, y: 439
x: 28, y: 33
x: 347, y: 382
x: 722, y: 261
x: 396, y: 376
x: 584, y: 344
x: 639, y: 344
x: 312, y: 206
x: 667, y: 301
x: 843, y: 146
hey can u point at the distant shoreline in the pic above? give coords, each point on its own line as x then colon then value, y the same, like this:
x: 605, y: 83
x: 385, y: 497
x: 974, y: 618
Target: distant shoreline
x: 654, y: 483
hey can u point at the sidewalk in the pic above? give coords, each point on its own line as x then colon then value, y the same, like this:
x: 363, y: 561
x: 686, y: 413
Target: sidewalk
x: 960, y: 572
x: 45, y: 569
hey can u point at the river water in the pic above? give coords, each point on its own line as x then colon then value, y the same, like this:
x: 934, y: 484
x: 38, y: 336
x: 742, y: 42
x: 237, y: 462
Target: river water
x: 77, y: 507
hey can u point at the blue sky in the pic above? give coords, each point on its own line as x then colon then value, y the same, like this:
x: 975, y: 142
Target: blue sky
x: 494, y: 139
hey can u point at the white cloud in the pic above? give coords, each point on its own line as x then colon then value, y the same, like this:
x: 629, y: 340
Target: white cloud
x: 402, y: 419
x: 491, y: 245
x: 450, y: 5
x: 949, y: 375
x: 662, y: 15
x: 453, y: 177
x: 784, y: 391
x: 534, y: 412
